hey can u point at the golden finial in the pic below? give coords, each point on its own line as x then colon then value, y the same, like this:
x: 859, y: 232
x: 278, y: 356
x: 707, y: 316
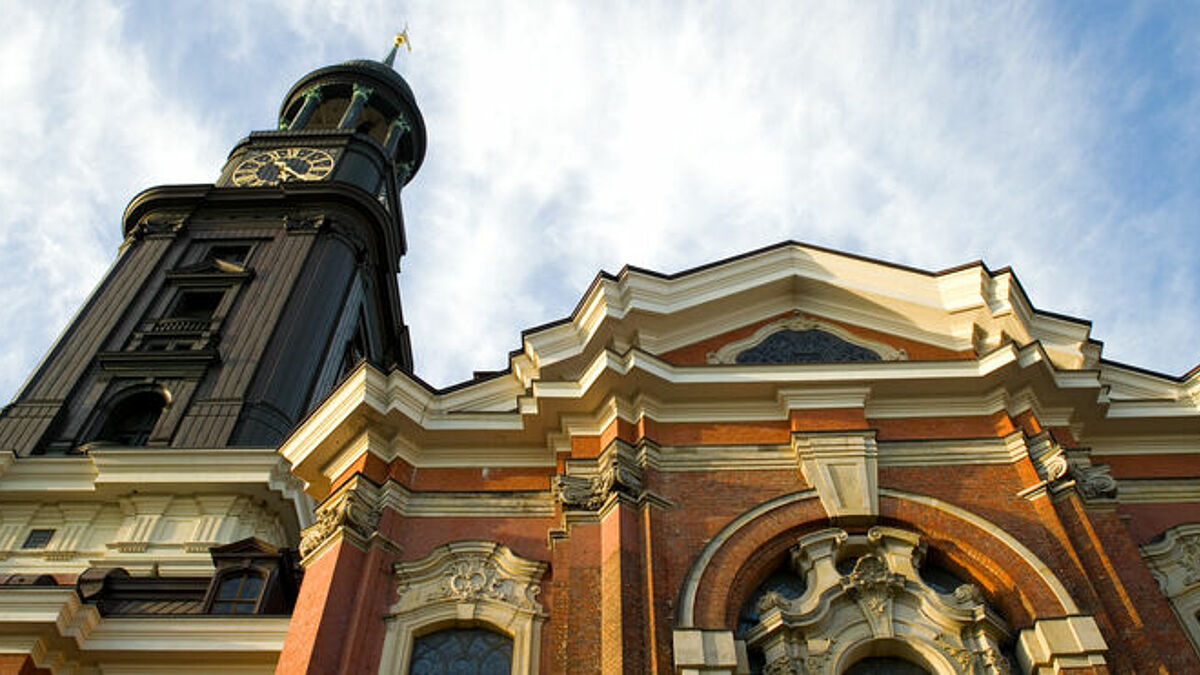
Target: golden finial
x: 401, y: 39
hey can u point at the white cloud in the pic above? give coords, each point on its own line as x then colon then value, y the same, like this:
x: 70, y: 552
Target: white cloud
x: 569, y: 138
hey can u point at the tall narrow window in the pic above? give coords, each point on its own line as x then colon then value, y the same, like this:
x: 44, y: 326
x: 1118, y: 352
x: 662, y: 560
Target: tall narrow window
x: 132, y: 419
x: 470, y: 651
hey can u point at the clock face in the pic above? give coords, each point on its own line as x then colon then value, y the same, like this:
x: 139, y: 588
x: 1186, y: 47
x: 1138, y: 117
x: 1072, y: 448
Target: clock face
x: 282, y: 165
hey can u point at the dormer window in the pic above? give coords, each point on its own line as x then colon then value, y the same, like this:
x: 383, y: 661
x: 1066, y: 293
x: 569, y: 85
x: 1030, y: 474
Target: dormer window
x: 132, y: 419
x: 238, y: 593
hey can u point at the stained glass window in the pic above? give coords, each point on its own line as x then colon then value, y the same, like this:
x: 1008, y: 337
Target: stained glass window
x: 462, y: 651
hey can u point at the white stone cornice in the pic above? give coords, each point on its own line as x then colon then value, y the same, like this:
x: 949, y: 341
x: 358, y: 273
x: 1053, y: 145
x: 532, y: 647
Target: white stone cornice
x: 115, y: 469
x: 65, y: 635
x: 1165, y: 444
x: 820, y: 398
x: 1158, y: 490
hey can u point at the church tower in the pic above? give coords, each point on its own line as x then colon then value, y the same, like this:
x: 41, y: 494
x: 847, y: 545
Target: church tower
x: 233, y: 308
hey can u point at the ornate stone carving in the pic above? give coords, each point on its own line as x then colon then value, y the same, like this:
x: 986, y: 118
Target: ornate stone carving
x: 872, y: 585
x: 587, y: 484
x: 994, y: 662
x: 825, y: 625
x: 474, y: 577
x: 1093, y: 480
x: 968, y: 594
x: 479, y: 582
x: 354, y: 510
x: 305, y: 222
x: 162, y: 223
x: 772, y: 600
x: 964, y: 657
x: 472, y: 572
x: 784, y: 665
x: 1048, y: 458
x: 579, y: 492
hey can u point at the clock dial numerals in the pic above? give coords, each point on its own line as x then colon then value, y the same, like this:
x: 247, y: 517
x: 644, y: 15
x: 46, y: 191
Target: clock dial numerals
x: 282, y: 165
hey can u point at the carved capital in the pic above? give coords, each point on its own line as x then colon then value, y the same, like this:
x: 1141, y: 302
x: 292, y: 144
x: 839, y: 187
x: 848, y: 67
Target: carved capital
x: 1093, y: 481
x: 353, y: 512
x: 588, y: 484
x: 313, y: 93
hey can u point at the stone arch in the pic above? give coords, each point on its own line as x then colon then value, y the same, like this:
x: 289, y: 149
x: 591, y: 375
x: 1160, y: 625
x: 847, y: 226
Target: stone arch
x: 1022, y: 586
x: 738, y: 557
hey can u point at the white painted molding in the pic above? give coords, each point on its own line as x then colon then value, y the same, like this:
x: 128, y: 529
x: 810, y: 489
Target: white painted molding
x: 66, y: 636
x: 1158, y: 490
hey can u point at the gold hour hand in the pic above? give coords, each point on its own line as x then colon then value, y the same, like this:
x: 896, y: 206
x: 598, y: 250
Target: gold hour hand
x: 284, y: 168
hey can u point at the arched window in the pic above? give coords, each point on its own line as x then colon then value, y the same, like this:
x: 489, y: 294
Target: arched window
x: 857, y: 603
x: 238, y: 593
x: 131, y: 420
x: 469, y: 651
x: 482, y: 580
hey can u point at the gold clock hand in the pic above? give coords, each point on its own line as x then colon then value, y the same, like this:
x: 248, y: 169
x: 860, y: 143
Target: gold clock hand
x: 283, y: 167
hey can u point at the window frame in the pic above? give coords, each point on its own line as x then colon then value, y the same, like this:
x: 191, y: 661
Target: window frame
x: 441, y: 591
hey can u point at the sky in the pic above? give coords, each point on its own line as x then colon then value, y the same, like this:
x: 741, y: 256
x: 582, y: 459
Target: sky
x: 1062, y: 140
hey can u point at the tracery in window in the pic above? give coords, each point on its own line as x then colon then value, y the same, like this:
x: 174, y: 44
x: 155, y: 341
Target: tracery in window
x: 465, y: 651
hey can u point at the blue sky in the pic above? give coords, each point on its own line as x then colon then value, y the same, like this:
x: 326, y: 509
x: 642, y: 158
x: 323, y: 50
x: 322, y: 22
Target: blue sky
x: 1059, y: 139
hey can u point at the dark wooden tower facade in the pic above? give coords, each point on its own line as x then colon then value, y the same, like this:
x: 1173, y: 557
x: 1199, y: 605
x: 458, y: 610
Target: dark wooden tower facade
x: 233, y: 308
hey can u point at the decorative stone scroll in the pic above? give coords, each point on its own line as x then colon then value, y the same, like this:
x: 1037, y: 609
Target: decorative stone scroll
x: 1061, y: 468
x: 804, y: 339
x: 1093, y: 481
x: 479, y: 583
